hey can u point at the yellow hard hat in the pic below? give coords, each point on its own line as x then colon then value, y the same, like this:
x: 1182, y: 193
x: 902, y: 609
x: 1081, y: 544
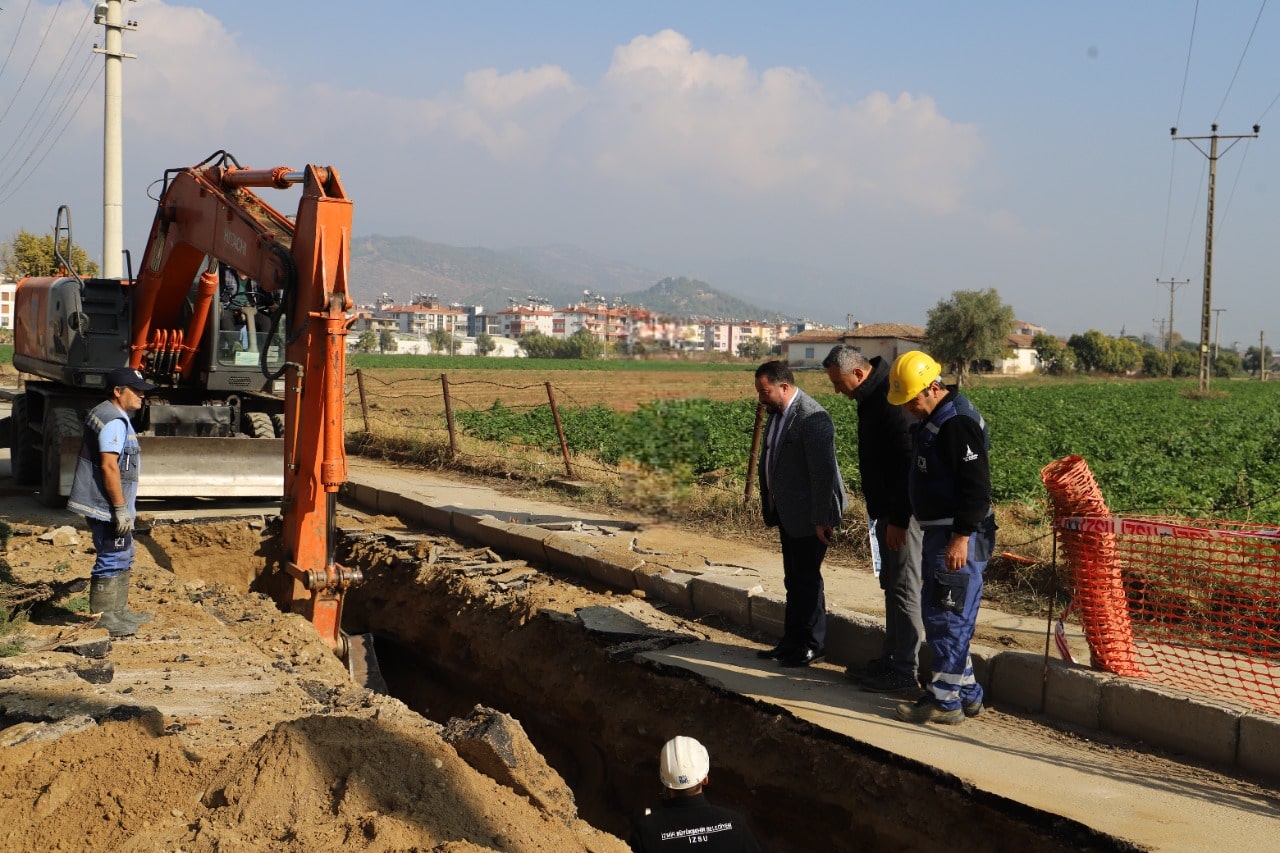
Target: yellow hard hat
x: 913, y: 372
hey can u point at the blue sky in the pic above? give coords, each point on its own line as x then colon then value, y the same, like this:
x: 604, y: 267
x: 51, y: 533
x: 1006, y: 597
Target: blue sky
x: 822, y: 159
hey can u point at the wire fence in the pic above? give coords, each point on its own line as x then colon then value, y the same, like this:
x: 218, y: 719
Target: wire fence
x: 1191, y: 603
x: 427, y: 409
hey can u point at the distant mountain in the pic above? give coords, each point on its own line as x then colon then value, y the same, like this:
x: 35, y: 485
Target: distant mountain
x: 686, y: 297
x: 403, y: 266
x: 584, y: 271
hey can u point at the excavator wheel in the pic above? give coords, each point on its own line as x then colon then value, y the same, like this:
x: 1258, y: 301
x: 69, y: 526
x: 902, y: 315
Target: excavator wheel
x: 60, y: 423
x: 277, y: 423
x: 257, y: 425
x: 23, y: 456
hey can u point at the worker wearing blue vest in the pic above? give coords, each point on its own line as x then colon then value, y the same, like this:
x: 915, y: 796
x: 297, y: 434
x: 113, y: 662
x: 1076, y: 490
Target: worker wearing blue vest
x: 949, y: 484
x: 105, y: 491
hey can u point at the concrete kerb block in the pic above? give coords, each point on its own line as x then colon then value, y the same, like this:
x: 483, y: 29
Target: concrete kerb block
x: 1259, y: 749
x: 527, y: 542
x: 468, y: 526
x: 1074, y: 693
x: 492, y: 532
x: 437, y: 517
x: 726, y: 595
x: 403, y: 507
x: 768, y: 614
x: 667, y: 586
x: 983, y: 658
x: 853, y: 637
x: 363, y: 496
x: 1194, y: 725
x: 567, y: 553
x: 613, y: 567
x: 1017, y: 680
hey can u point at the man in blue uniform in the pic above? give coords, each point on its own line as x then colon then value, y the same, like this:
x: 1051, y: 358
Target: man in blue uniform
x: 105, y: 492
x: 686, y: 820
x: 950, y: 489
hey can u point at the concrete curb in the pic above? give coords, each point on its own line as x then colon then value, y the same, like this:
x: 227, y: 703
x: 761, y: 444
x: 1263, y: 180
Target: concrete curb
x: 1197, y: 726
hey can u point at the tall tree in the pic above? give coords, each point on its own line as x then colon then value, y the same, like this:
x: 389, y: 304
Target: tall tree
x: 387, y: 341
x: 971, y: 326
x: 753, y: 349
x: 1092, y: 349
x: 537, y: 345
x: 441, y: 339
x: 31, y: 254
x: 582, y: 344
x: 485, y: 343
x: 368, y: 341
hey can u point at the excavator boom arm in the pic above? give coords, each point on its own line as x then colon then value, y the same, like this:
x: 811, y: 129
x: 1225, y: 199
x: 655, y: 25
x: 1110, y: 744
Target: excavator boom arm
x: 209, y: 214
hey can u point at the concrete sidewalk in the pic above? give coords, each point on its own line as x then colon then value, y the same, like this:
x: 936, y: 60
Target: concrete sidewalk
x: 1141, y: 801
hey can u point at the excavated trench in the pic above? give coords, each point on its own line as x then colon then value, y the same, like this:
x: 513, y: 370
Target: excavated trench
x: 450, y: 636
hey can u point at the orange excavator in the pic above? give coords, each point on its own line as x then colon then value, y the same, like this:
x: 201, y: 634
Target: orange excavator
x: 239, y: 316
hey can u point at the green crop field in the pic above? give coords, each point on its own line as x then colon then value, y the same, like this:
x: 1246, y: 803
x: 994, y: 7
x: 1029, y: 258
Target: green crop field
x: 1153, y: 446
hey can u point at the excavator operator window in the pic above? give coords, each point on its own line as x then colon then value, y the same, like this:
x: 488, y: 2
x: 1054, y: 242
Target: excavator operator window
x: 244, y: 325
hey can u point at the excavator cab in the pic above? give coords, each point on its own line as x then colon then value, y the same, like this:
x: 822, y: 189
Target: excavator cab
x: 247, y: 328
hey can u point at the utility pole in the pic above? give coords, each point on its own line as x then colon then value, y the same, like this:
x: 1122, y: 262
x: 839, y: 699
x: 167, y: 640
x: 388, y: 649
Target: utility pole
x: 110, y: 14
x: 1207, y: 305
x: 1173, y: 285
x: 1217, y: 321
x: 1262, y: 356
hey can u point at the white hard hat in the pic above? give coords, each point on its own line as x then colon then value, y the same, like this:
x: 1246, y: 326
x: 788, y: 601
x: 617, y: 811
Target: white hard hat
x: 684, y: 763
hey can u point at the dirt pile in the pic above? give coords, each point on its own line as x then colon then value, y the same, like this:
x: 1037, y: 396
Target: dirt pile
x: 230, y: 726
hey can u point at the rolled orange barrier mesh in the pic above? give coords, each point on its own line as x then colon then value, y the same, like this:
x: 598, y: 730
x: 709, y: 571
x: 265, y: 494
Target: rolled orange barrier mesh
x: 1099, y: 592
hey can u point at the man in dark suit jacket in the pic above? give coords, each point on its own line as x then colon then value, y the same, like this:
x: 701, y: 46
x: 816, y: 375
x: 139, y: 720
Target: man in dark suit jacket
x: 802, y: 494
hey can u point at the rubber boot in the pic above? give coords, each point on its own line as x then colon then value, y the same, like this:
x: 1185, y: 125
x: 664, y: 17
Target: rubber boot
x: 106, y: 597
x: 125, y: 612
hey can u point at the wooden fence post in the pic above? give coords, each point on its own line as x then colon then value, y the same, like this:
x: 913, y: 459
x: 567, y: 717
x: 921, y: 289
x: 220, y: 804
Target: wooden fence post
x: 755, y: 454
x: 364, y: 406
x: 564, y: 447
x: 448, y: 417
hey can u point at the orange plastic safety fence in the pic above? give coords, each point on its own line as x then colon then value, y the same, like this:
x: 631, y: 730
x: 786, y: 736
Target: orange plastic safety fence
x: 1098, y: 587
x: 1190, y: 603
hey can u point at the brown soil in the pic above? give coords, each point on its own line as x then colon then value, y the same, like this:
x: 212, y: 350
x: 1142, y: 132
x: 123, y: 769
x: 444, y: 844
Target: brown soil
x: 229, y: 726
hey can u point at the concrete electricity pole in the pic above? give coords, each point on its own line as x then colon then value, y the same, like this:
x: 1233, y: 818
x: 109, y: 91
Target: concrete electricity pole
x: 110, y: 14
x: 1207, y: 305
x: 1173, y: 285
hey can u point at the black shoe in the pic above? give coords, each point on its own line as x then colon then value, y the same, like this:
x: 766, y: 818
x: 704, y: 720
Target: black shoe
x: 890, y: 682
x: 778, y: 651
x: 802, y: 658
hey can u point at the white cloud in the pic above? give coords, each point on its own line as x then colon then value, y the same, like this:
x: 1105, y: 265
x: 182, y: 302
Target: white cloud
x: 515, y: 114
x: 193, y: 83
x: 671, y: 115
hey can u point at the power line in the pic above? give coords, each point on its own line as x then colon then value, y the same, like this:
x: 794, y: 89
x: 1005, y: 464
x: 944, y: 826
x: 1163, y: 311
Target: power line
x: 48, y: 149
x: 1186, y: 71
x: 1241, y: 62
x: 17, y: 35
x: 42, y: 104
x: 34, y: 56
